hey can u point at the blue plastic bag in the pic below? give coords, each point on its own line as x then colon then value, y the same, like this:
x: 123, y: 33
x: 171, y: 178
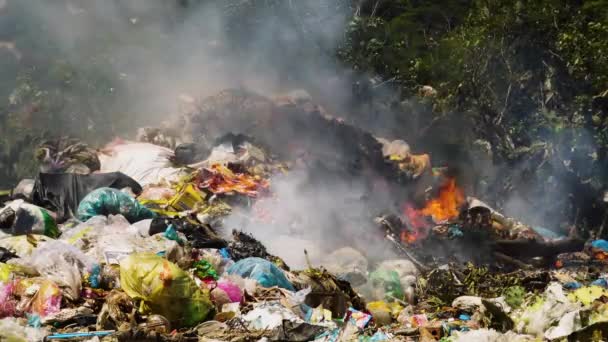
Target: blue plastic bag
x: 108, y: 201
x: 263, y: 271
x: 600, y: 244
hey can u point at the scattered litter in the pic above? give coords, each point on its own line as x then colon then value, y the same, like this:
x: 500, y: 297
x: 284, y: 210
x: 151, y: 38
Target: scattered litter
x: 142, y: 250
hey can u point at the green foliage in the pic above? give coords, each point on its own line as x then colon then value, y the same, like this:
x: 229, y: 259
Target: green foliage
x: 522, y: 72
x: 514, y: 296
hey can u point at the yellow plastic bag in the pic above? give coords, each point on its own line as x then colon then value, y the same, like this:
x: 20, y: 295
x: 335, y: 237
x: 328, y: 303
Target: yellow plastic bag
x: 587, y: 295
x: 384, y: 312
x: 164, y: 289
x: 393, y: 308
x: 5, y: 272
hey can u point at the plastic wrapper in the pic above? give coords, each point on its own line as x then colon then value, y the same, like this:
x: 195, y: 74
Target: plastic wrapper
x: 263, y: 271
x: 269, y: 315
x: 106, y: 201
x: 164, y: 289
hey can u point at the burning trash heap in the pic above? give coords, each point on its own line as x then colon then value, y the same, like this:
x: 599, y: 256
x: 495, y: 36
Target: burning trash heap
x: 131, y: 242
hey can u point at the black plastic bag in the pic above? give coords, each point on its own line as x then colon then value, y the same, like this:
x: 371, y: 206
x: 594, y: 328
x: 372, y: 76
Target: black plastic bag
x: 63, y: 192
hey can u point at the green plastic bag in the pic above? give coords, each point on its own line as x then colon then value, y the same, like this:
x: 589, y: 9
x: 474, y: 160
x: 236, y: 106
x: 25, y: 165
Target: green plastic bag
x: 164, y: 289
x: 108, y: 201
x: 390, y: 281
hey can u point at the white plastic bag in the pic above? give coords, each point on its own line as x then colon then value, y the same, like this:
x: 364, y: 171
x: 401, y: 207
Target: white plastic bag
x: 146, y: 163
x: 61, y: 263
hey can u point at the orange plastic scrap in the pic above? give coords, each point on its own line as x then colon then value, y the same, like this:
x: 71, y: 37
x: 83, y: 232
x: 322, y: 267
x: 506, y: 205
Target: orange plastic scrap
x: 220, y: 180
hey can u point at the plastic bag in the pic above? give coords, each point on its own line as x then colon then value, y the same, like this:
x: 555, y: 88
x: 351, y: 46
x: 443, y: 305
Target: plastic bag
x: 232, y: 290
x: 24, y: 245
x: 164, y: 289
x: 547, y: 310
x: 63, y: 192
x: 11, y: 330
x: 106, y: 201
x: 61, y: 263
x: 146, y: 163
x: 6, y: 273
x: 46, y: 298
x: 112, y: 248
x: 27, y: 218
x: 383, y: 312
x: 389, y: 280
x: 263, y: 271
x: 85, y: 235
x: 9, y: 303
x: 204, y: 270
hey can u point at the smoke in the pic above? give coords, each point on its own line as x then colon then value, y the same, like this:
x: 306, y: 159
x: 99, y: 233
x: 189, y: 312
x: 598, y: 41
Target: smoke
x: 152, y: 51
x: 318, y: 215
x: 155, y: 50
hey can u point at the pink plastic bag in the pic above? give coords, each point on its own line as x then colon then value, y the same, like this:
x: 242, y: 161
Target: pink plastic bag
x: 38, y: 295
x: 8, y: 305
x: 232, y: 290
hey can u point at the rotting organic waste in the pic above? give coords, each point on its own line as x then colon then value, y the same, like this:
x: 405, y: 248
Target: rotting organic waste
x: 141, y: 253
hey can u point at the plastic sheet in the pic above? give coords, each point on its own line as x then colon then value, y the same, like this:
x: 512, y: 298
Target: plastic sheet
x: 164, y: 289
x: 106, y: 201
x: 263, y: 271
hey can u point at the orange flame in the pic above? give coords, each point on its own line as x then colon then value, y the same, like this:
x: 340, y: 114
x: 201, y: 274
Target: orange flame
x: 418, y: 225
x: 447, y: 205
x: 444, y: 207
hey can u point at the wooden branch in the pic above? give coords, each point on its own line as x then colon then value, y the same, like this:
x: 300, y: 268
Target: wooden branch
x: 512, y: 261
x: 504, y: 108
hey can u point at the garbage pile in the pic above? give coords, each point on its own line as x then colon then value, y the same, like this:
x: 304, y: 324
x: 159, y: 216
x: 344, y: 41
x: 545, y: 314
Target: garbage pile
x: 128, y: 243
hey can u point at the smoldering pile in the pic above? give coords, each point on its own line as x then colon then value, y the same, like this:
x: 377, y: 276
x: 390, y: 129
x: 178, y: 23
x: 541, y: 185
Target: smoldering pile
x: 184, y: 235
